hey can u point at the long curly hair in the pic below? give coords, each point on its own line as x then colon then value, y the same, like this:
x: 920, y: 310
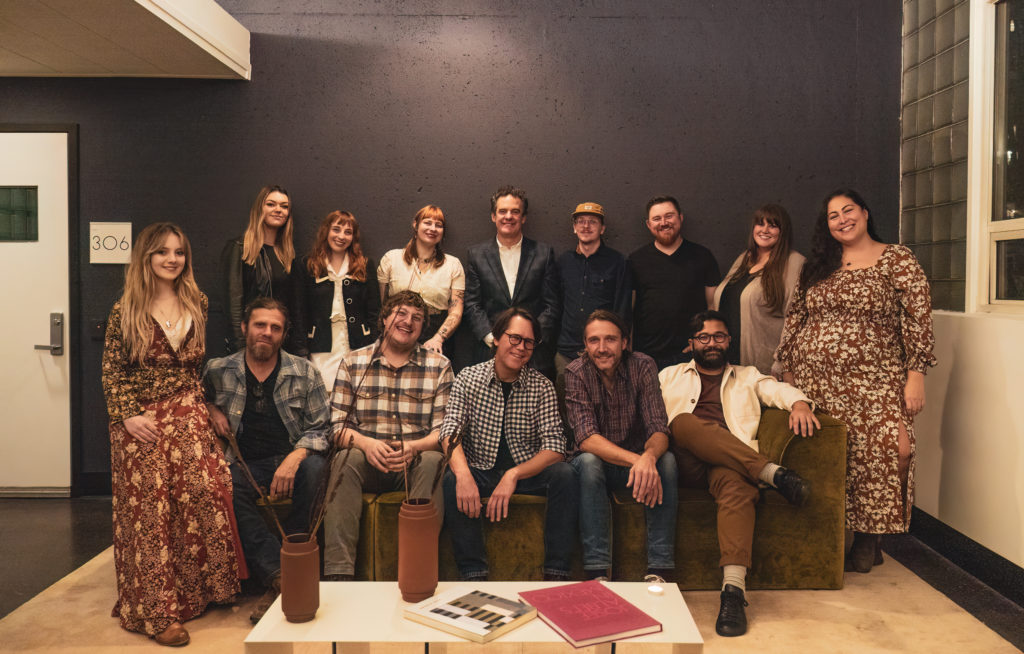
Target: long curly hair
x: 252, y: 242
x: 434, y: 213
x: 316, y: 264
x: 826, y: 253
x: 140, y: 288
x: 773, y: 275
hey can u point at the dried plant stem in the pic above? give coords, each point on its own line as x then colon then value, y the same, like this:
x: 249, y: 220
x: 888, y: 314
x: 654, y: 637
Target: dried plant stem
x: 233, y: 442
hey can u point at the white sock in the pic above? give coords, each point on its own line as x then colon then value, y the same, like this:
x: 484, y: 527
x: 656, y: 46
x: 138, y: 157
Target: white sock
x: 735, y: 575
x: 767, y: 474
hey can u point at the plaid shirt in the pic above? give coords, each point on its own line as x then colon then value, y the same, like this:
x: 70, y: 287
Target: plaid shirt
x: 387, y: 401
x: 530, y: 418
x: 299, y: 396
x: 627, y: 415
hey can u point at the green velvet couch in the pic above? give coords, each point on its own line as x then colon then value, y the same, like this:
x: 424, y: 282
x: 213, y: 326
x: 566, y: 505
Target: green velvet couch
x: 793, y: 547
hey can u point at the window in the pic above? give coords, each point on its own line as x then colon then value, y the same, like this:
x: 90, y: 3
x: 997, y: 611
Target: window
x: 1006, y: 225
x: 19, y: 217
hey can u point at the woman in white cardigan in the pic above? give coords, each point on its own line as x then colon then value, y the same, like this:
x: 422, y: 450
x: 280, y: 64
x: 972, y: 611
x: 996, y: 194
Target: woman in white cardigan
x: 757, y: 290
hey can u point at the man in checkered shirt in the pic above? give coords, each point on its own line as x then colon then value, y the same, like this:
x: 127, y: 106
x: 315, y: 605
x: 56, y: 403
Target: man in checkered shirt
x: 512, y: 442
x: 388, y: 403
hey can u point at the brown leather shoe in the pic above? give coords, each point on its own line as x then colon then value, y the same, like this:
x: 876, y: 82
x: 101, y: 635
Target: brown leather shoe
x: 174, y: 635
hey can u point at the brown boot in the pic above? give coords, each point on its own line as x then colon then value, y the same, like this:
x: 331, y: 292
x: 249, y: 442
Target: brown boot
x: 264, y: 603
x: 862, y: 552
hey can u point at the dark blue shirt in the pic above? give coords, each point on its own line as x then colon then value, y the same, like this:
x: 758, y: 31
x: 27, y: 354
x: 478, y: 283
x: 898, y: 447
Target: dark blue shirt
x: 600, y: 281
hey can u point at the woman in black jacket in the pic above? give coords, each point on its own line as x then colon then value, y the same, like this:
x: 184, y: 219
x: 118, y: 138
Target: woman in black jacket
x: 260, y: 264
x: 340, y: 298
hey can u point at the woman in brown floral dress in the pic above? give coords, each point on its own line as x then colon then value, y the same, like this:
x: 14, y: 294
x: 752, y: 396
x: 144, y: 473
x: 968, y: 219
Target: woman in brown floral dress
x: 175, y: 544
x: 858, y: 339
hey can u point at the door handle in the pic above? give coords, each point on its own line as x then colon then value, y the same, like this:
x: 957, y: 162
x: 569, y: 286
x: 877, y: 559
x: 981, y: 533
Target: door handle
x: 56, y: 346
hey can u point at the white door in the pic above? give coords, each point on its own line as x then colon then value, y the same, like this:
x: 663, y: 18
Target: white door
x: 35, y: 387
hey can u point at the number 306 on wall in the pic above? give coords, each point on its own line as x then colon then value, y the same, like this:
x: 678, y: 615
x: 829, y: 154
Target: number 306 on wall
x: 110, y: 242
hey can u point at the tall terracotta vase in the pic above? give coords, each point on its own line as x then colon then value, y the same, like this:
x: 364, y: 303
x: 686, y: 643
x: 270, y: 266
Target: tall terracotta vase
x: 300, y: 577
x: 418, y: 531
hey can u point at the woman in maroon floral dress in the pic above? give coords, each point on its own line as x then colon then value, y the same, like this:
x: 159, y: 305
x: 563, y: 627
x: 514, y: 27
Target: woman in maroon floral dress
x: 858, y: 339
x: 175, y: 543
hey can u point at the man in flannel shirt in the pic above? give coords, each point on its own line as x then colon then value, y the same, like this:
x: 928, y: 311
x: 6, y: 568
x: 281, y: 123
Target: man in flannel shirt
x: 275, y: 405
x: 614, y: 406
x: 511, y: 442
x: 388, y: 403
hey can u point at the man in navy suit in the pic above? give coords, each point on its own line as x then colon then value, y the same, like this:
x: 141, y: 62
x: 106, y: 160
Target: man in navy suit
x: 512, y: 270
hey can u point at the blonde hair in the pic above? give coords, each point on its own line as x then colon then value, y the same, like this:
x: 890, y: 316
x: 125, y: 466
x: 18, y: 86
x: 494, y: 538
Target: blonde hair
x: 317, y: 257
x: 434, y: 213
x: 140, y: 287
x: 252, y: 242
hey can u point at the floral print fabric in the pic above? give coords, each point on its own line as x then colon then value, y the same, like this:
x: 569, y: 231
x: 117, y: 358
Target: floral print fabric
x: 849, y: 341
x: 175, y: 540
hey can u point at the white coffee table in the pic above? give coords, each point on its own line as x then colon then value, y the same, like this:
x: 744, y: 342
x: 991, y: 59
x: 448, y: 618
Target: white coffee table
x: 366, y: 616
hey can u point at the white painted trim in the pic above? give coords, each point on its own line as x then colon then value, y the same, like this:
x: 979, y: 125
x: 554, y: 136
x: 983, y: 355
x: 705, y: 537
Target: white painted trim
x: 981, y: 104
x: 207, y: 25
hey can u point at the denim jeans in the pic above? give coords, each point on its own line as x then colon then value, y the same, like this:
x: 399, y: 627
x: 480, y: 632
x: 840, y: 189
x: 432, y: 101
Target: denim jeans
x: 557, y: 481
x: 597, y: 477
x: 262, y: 545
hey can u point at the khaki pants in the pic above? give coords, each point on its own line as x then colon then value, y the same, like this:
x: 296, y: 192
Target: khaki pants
x: 708, y: 455
x: 341, y: 520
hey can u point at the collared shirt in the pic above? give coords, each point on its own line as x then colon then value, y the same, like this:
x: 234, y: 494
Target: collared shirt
x: 600, y: 281
x: 627, y: 415
x: 299, y: 396
x: 530, y: 416
x: 386, y: 401
x: 510, y: 263
x: 744, y: 390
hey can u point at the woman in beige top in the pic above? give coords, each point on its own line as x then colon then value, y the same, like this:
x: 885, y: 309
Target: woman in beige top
x: 758, y: 288
x: 422, y: 267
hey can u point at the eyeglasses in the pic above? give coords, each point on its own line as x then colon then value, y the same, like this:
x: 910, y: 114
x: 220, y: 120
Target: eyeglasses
x: 586, y: 220
x: 516, y: 340
x: 717, y: 337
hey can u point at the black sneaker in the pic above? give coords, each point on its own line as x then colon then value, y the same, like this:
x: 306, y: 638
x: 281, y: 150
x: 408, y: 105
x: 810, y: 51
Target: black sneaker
x: 791, y: 486
x: 732, y: 619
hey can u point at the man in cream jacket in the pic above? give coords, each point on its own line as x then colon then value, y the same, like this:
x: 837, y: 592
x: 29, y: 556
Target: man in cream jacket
x: 713, y: 410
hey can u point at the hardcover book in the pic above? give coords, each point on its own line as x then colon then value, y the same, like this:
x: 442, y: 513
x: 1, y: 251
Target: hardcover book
x: 588, y: 613
x: 471, y: 614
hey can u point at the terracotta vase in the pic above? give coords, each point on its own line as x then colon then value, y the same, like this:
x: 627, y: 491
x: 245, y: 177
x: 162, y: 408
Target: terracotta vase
x: 300, y: 577
x: 418, y: 531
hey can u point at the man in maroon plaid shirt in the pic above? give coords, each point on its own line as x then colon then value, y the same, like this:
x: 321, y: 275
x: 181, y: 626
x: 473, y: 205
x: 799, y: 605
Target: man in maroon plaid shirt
x: 388, y: 404
x: 614, y: 406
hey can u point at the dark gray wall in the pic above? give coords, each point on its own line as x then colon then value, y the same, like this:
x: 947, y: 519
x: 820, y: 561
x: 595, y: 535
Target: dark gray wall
x: 382, y: 107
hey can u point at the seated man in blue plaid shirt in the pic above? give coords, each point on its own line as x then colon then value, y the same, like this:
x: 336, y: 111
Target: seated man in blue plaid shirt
x: 389, y: 400
x: 275, y: 405
x: 614, y: 406
x: 511, y: 441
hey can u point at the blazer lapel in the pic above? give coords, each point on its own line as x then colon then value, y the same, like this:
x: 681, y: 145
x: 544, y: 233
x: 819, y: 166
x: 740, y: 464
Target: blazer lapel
x: 525, y: 263
x: 494, y: 261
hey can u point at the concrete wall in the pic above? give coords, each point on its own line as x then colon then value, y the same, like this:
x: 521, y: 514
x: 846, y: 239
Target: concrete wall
x: 382, y: 107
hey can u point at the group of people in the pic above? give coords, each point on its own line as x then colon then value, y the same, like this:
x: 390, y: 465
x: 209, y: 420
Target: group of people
x: 593, y: 371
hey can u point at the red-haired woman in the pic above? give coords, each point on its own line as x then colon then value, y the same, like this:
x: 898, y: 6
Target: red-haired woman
x: 424, y: 268
x: 340, y: 303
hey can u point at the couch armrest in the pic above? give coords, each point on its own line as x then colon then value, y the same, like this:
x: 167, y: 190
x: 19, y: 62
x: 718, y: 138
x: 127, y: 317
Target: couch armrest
x: 820, y: 459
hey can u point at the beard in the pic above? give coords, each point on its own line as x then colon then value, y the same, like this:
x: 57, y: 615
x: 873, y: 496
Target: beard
x: 261, y: 350
x: 666, y: 236
x: 711, y: 358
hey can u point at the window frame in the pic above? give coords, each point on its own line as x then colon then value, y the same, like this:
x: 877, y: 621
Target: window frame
x: 983, y: 233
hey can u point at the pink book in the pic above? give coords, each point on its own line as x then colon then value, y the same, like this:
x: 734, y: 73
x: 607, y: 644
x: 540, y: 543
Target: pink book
x: 588, y: 613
